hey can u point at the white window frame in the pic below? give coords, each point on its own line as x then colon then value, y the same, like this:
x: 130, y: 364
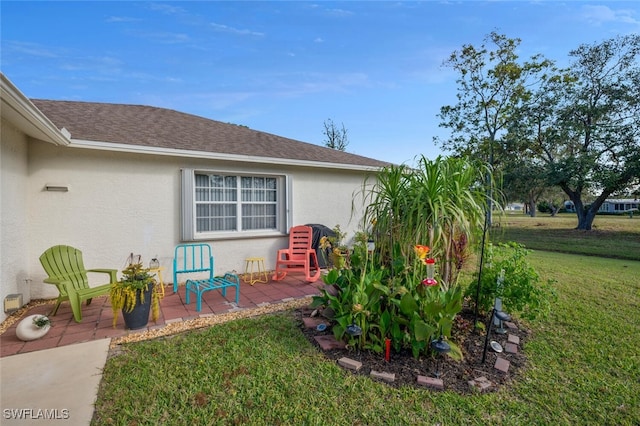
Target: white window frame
x: 188, y: 206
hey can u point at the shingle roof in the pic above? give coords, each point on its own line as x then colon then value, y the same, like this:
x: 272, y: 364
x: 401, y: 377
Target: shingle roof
x: 164, y: 128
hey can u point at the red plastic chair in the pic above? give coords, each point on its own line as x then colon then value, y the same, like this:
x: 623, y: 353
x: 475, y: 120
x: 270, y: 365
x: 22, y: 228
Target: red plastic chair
x: 299, y: 257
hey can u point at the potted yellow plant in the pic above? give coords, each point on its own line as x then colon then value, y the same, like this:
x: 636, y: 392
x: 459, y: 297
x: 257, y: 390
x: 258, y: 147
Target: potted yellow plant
x: 135, y: 295
x: 334, y: 246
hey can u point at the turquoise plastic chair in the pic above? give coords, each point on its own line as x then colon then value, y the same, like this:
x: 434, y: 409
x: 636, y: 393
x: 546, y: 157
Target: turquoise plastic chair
x: 189, y: 258
x: 192, y: 258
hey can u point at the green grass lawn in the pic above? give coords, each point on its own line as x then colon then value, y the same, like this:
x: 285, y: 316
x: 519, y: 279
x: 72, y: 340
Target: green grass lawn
x: 583, y: 369
x: 611, y: 236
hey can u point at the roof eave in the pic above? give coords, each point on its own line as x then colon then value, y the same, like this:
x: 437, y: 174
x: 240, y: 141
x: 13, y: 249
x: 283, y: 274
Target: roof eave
x: 20, y: 111
x: 138, y: 149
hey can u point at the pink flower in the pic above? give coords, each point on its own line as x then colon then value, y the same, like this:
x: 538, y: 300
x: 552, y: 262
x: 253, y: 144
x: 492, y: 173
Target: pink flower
x: 429, y: 282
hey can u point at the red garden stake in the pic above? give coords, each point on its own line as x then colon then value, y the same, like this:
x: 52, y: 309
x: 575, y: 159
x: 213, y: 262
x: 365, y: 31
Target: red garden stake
x: 387, y: 347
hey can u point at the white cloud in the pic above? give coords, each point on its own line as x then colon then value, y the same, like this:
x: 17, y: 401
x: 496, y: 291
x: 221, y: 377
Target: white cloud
x: 163, y: 37
x: 339, y: 12
x: 166, y: 9
x: 231, y: 30
x: 299, y: 84
x: 31, y: 49
x: 121, y: 19
x: 598, y: 15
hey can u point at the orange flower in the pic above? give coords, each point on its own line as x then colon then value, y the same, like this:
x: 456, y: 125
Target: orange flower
x: 421, y: 251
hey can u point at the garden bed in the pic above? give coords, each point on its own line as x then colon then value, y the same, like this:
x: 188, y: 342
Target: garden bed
x: 455, y: 375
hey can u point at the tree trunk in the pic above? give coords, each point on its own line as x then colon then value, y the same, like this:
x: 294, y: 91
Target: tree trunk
x: 585, y: 219
x: 532, y: 206
x: 582, y: 220
x: 580, y: 212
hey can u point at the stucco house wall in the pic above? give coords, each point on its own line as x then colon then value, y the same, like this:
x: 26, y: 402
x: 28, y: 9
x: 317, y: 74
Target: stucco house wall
x: 13, y: 224
x: 122, y: 203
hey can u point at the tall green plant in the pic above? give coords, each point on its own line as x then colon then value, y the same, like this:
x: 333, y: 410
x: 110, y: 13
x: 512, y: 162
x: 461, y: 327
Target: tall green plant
x: 441, y: 202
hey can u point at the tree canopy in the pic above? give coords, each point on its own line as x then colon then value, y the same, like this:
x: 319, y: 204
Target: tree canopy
x: 491, y: 84
x: 576, y: 127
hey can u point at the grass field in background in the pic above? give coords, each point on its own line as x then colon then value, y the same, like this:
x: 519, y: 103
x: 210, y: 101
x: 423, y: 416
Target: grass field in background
x: 611, y: 236
x: 583, y: 360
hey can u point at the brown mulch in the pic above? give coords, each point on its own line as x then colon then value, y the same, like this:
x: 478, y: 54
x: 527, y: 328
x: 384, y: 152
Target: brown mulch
x: 454, y: 374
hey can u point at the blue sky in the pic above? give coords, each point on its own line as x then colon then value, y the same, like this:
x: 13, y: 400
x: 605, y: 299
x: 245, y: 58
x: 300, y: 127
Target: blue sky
x: 286, y: 67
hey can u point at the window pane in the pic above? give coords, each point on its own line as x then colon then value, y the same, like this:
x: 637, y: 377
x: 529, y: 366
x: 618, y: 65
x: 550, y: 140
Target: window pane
x: 217, y: 205
x: 202, y: 180
x: 271, y: 183
x: 202, y: 194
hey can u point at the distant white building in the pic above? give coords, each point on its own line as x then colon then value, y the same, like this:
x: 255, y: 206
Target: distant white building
x: 612, y: 205
x: 620, y: 205
x: 514, y: 207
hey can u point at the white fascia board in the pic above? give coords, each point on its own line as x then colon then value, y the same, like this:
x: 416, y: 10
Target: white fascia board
x: 138, y: 149
x: 20, y: 111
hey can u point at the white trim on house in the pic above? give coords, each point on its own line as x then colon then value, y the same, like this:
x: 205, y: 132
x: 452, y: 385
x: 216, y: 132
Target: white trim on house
x: 119, y: 147
x: 19, y: 110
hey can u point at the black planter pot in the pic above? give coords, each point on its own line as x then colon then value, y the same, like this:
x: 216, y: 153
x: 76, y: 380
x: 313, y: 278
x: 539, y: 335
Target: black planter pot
x: 139, y: 316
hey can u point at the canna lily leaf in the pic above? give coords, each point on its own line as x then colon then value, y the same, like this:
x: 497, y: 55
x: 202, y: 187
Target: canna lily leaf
x: 422, y: 331
x: 408, y: 305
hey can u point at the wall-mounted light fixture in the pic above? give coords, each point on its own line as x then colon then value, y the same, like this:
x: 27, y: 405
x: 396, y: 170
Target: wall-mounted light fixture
x: 56, y: 187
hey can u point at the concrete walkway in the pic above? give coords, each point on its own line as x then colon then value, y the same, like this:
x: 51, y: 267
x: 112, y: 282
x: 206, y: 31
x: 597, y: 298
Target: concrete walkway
x: 52, y: 386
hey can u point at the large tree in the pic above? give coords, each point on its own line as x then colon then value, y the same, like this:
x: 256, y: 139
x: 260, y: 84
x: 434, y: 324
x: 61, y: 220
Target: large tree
x: 492, y: 82
x: 583, y: 125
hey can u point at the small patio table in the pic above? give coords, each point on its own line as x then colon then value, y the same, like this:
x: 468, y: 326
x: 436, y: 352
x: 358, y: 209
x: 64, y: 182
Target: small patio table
x: 255, y: 271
